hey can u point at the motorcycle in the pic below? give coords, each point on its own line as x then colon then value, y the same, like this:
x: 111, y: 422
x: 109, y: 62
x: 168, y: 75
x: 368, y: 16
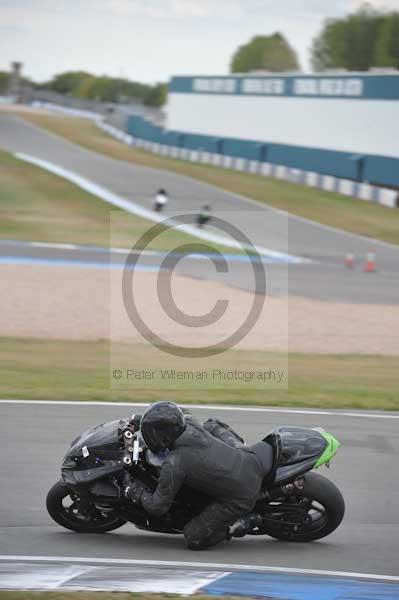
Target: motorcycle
x: 295, y: 504
x: 204, y: 216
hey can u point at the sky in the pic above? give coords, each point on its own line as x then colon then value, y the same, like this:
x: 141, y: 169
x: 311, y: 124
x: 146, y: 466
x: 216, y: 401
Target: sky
x: 152, y: 40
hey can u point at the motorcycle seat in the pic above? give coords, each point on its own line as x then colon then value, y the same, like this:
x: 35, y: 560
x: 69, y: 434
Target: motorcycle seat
x: 265, y: 455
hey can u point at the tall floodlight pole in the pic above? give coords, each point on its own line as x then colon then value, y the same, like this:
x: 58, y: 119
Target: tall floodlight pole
x: 14, y: 87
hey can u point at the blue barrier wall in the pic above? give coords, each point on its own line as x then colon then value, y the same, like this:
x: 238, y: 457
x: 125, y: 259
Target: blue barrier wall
x: 363, y: 86
x: 379, y: 170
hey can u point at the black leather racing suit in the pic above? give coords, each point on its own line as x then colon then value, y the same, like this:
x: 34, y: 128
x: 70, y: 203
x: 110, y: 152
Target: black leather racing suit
x: 231, y: 475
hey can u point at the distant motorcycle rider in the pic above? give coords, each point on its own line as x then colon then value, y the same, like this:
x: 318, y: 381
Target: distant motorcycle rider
x: 211, y: 459
x: 204, y: 216
x: 161, y: 200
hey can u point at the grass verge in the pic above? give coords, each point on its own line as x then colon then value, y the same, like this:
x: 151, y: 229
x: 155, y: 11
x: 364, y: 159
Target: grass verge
x: 324, y: 207
x: 63, y: 370
x: 36, y: 205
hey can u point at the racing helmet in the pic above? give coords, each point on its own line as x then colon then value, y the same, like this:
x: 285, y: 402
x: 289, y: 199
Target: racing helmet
x: 161, y: 425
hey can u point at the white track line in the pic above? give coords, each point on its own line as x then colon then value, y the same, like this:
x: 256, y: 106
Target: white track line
x: 48, y: 245
x: 197, y: 565
x: 88, y: 248
x: 264, y: 409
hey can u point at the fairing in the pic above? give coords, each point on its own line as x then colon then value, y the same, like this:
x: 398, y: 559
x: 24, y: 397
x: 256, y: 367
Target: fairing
x: 297, y: 444
x: 94, y: 454
x: 330, y: 450
x: 298, y: 450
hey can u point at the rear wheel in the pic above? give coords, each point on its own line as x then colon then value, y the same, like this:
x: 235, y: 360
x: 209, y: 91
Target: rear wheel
x: 63, y: 506
x: 309, y: 514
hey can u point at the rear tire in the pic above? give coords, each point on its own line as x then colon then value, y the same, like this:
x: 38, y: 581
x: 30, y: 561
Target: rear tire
x: 65, y: 517
x: 325, y: 493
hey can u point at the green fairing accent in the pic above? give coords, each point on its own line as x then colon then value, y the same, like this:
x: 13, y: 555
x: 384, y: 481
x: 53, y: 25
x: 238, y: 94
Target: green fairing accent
x: 332, y: 447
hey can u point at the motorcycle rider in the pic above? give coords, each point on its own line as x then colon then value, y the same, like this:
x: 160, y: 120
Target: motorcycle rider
x: 211, y: 459
x: 204, y: 216
x: 161, y: 200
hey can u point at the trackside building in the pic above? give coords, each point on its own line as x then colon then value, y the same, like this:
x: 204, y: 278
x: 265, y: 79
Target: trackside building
x: 345, y: 126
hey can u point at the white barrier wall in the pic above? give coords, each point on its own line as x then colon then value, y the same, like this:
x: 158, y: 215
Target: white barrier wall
x: 359, y: 126
x: 352, y: 112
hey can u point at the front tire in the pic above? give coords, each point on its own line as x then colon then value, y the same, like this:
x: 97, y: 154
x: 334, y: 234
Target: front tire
x: 69, y: 517
x: 323, y: 507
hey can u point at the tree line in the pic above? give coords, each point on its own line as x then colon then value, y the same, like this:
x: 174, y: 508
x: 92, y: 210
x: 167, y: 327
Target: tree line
x: 361, y: 40
x: 357, y: 42
x: 80, y: 84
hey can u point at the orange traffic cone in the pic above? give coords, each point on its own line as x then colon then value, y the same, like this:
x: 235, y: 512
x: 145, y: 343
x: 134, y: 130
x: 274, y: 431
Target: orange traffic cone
x: 350, y: 260
x: 369, y: 265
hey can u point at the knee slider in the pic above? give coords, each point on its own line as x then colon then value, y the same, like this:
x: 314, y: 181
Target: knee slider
x: 194, y: 542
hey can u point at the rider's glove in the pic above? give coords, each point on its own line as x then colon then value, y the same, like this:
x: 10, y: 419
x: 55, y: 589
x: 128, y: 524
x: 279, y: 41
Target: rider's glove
x: 134, y: 490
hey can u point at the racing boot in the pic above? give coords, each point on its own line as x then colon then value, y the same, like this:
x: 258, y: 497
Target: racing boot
x: 244, y: 525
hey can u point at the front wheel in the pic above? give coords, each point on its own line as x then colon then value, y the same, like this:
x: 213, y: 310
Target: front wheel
x: 309, y: 514
x: 63, y: 506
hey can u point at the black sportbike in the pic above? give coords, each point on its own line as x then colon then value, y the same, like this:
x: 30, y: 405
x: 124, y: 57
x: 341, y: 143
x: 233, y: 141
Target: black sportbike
x: 295, y: 504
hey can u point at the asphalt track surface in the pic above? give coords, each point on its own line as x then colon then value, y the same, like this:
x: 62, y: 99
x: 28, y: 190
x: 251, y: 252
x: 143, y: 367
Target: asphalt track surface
x: 324, y: 277
x: 34, y: 438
